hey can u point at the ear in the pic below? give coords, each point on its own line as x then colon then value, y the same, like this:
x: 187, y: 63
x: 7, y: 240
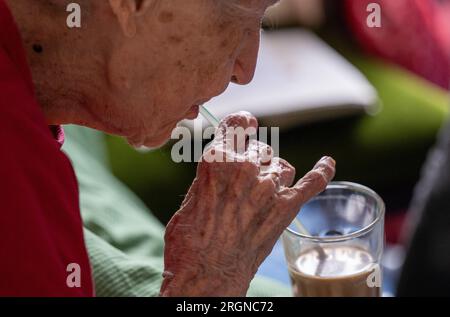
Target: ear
x: 127, y: 12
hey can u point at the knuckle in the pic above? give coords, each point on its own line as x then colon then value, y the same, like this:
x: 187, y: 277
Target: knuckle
x: 245, y: 114
x: 214, y: 154
x: 326, y: 168
x: 238, y: 124
x: 291, y: 196
x: 237, y: 119
x: 249, y: 167
x: 263, y: 151
x: 264, y: 146
x: 318, y: 178
x: 268, y: 185
x: 253, y: 144
x: 330, y: 171
x: 286, y: 166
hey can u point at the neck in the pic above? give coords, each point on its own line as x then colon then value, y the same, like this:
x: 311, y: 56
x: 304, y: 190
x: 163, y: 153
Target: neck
x: 54, y: 60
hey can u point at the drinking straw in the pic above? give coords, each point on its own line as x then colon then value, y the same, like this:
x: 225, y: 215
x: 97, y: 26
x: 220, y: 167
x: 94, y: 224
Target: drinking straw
x: 209, y: 116
x: 300, y: 227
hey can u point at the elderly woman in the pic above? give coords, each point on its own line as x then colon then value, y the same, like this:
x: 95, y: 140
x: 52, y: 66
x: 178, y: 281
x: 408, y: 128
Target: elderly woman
x: 135, y: 69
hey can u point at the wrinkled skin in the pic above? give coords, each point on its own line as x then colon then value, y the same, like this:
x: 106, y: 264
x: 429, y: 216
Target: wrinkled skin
x: 135, y: 69
x: 232, y: 216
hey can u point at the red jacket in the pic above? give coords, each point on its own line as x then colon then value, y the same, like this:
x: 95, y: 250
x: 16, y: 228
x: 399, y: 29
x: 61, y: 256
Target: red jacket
x: 414, y: 34
x: 40, y: 225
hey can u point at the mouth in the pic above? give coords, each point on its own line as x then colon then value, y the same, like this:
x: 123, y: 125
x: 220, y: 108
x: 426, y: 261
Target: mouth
x: 193, y: 112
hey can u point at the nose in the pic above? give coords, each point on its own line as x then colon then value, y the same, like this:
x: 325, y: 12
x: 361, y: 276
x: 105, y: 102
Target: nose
x: 245, y: 63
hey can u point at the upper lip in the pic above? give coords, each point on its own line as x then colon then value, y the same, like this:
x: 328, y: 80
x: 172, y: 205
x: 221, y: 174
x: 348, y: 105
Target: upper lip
x: 203, y: 101
x: 192, y: 114
x: 198, y: 104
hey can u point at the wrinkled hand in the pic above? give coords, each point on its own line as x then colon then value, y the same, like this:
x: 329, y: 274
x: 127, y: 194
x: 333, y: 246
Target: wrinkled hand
x: 233, y: 214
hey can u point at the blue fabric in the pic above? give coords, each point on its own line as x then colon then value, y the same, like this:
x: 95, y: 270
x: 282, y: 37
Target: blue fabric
x: 275, y: 266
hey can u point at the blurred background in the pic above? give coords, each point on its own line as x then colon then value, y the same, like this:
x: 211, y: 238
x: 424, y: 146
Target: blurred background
x: 381, y: 143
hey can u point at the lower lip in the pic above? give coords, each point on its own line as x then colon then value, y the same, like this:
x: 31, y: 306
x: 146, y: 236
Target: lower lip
x: 193, y: 112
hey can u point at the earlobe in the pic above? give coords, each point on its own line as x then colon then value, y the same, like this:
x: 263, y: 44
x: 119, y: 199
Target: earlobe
x: 126, y: 12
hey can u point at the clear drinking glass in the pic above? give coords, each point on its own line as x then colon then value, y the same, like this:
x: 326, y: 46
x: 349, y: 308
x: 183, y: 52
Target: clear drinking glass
x: 340, y: 253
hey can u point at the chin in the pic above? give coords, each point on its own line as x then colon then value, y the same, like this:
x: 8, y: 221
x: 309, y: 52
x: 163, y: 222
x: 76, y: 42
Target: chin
x: 153, y: 142
x: 154, y: 145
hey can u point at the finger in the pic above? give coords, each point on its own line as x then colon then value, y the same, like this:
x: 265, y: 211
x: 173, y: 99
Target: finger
x: 262, y: 154
x: 281, y: 172
x: 313, y: 183
x: 259, y: 153
x: 234, y: 129
x: 287, y: 173
x: 273, y: 179
x: 217, y: 153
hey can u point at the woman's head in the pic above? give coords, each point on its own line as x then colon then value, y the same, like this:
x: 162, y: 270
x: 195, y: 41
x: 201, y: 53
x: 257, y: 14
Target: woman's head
x: 139, y: 66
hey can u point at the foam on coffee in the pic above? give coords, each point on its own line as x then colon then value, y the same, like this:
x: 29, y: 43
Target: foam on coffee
x: 343, y: 271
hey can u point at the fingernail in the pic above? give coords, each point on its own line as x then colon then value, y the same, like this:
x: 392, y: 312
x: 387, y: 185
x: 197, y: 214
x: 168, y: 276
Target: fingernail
x: 329, y: 159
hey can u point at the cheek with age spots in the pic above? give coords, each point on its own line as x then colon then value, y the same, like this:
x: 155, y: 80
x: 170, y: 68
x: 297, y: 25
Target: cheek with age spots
x: 166, y: 17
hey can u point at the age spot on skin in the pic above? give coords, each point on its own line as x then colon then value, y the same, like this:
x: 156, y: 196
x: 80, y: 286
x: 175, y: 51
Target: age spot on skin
x: 175, y: 39
x: 223, y: 26
x: 166, y: 17
x: 224, y: 43
x: 181, y: 65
